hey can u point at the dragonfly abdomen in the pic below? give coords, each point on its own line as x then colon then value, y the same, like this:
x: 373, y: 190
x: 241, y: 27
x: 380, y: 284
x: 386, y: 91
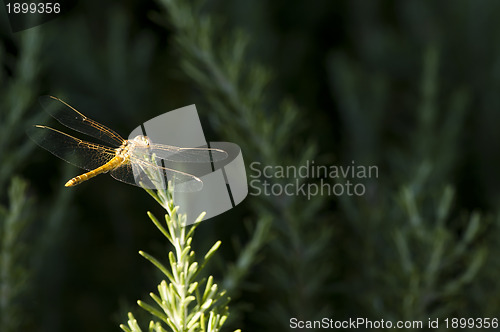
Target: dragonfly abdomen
x: 110, y: 165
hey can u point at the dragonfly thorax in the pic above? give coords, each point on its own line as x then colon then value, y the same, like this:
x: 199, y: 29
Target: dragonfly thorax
x: 129, y: 145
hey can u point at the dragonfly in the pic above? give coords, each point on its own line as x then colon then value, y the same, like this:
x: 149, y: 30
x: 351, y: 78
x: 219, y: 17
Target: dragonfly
x: 131, y: 161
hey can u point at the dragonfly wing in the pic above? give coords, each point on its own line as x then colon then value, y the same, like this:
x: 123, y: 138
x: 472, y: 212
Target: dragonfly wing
x: 75, y: 120
x: 124, y: 173
x: 185, y: 155
x: 82, y: 154
x: 152, y: 176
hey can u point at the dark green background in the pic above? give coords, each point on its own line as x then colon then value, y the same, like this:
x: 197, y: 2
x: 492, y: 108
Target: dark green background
x: 409, y: 86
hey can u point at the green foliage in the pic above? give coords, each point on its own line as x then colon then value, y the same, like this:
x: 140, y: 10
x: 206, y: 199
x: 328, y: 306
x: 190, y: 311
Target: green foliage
x: 235, y: 88
x: 411, y: 87
x: 428, y: 252
x: 16, y: 209
x: 17, y: 97
x: 434, y: 264
x: 28, y: 231
x: 14, y: 272
x: 185, y: 301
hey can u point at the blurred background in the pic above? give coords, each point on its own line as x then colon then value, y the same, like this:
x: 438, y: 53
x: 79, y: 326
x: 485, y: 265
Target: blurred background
x: 409, y: 86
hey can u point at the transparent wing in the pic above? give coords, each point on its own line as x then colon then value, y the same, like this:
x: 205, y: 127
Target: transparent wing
x: 90, y: 156
x: 71, y: 118
x: 82, y: 154
x: 152, y: 176
x: 185, y: 155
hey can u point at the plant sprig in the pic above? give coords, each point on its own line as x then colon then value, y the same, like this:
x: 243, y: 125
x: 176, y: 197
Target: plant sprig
x: 184, y: 302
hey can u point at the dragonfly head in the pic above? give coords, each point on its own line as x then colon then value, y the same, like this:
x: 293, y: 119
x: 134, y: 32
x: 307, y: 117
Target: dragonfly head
x: 142, y: 140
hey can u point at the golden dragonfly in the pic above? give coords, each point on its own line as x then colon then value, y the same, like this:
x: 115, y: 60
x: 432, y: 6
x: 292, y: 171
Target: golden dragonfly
x: 124, y: 159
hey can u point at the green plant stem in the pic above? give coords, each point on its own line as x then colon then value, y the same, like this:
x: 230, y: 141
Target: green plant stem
x: 185, y: 302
